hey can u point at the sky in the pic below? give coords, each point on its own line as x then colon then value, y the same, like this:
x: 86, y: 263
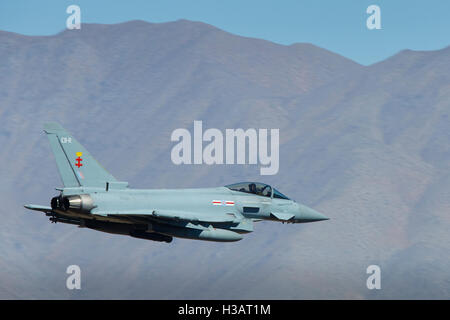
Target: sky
x: 336, y: 25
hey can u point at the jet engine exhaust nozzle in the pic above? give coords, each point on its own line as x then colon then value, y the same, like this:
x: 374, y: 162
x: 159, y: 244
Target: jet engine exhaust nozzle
x: 82, y: 202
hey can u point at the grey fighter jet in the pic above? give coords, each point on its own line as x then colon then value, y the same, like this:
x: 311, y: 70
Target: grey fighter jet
x: 93, y: 198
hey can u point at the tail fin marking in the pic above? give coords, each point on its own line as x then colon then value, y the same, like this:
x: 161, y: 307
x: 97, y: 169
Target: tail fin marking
x: 75, y: 164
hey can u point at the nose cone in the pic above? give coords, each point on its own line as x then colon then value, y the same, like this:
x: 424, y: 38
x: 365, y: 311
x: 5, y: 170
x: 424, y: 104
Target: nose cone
x: 307, y: 214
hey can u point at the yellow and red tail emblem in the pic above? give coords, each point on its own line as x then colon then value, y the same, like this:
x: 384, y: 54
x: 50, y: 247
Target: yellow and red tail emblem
x: 79, y: 159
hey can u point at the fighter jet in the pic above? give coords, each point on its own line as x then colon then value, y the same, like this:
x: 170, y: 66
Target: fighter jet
x: 92, y: 198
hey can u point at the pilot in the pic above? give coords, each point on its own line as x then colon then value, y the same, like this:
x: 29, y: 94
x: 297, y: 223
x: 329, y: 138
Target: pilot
x: 266, y: 191
x: 252, y: 188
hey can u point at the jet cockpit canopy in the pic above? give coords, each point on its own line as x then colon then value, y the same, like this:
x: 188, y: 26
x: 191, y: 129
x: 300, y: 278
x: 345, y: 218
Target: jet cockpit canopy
x: 257, y: 188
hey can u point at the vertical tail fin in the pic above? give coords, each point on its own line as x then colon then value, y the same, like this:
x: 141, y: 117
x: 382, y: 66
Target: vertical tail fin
x: 75, y: 164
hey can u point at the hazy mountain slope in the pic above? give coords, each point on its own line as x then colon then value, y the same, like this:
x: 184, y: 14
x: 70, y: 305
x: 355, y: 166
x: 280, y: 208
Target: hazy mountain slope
x: 367, y: 146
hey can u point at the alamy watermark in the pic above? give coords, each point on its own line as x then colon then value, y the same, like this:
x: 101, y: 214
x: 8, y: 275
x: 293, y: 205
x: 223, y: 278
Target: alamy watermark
x: 236, y: 146
x: 74, y: 280
x: 374, y: 20
x: 374, y: 280
x: 74, y: 20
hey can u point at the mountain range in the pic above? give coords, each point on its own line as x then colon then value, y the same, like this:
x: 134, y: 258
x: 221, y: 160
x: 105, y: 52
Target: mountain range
x: 369, y: 146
